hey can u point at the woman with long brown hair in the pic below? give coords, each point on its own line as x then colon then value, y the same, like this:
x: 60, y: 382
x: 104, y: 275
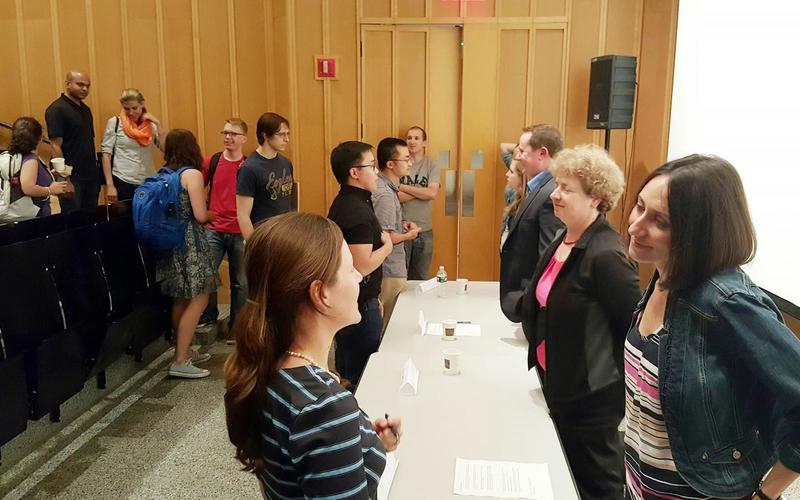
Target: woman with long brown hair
x: 187, y: 273
x: 292, y: 423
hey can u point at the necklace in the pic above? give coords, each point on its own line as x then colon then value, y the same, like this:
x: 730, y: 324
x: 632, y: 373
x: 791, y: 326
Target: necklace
x: 311, y: 360
x: 302, y: 356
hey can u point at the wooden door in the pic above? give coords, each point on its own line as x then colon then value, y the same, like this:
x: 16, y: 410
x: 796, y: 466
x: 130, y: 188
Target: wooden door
x: 411, y: 75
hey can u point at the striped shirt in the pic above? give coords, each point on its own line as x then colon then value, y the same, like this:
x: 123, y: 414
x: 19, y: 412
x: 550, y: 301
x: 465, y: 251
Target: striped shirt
x: 650, y: 472
x: 316, y: 441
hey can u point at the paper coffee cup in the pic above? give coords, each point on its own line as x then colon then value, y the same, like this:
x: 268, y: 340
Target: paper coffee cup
x: 452, y: 361
x: 462, y: 284
x: 57, y: 163
x: 449, y: 329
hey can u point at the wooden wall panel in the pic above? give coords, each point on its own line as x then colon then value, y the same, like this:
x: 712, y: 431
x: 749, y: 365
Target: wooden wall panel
x: 377, y: 100
x: 252, y: 66
x: 281, y: 59
x: 73, y: 40
x: 547, y: 64
x: 479, y: 80
x: 443, y: 127
x: 549, y: 8
x: 444, y: 8
x: 108, y: 79
x: 307, y: 128
x: 43, y: 83
x: 144, y: 52
x: 479, y: 9
x: 514, y: 8
x: 410, y: 8
x: 214, y: 70
x: 410, y: 80
x: 376, y: 8
x: 180, y: 69
x: 584, y: 42
x: 14, y: 102
x: 343, y: 119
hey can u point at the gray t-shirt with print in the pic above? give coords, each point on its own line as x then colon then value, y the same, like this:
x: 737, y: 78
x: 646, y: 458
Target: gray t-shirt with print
x: 423, y: 174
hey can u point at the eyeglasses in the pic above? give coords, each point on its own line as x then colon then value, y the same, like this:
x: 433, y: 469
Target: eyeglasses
x: 406, y: 159
x: 227, y: 133
x: 371, y: 165
x: 285, y: 135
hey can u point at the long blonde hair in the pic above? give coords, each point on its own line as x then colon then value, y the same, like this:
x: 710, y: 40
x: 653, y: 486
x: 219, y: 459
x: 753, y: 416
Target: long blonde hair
x: 284, y: 256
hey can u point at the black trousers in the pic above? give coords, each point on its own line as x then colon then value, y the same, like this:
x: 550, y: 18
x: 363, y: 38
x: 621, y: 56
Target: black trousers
x: 596, y: 455
x: 124, y: 190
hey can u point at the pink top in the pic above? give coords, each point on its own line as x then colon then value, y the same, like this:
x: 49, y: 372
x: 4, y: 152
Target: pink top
x: 543, y: 288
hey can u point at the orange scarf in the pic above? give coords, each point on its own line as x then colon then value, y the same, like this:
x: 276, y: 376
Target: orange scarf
x: 141, y: 132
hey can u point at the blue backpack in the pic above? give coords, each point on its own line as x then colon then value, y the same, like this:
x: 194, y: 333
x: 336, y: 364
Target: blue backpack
x: 156, y: 214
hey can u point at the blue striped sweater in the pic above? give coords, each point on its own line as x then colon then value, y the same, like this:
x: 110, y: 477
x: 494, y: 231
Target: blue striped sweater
x: 316, y: 442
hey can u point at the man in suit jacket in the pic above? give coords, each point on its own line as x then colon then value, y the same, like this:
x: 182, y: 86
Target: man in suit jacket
x: 535, y: 225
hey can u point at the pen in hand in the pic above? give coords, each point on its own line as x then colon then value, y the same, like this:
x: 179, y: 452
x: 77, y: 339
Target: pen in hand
x: 386, y: 415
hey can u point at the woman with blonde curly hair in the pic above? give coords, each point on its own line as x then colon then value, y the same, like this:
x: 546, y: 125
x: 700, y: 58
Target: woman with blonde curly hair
x: 578, y: 308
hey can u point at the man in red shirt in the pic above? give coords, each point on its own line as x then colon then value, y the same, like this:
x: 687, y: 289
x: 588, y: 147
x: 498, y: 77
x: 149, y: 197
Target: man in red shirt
x: 224, y: 236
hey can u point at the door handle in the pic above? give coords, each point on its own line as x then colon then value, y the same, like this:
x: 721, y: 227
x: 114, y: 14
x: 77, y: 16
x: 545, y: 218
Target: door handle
x: 468, y: 193
x: 450, y: 193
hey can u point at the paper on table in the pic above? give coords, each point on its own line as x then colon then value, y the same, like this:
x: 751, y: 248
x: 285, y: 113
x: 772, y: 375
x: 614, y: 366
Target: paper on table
x: 428, y: 285
x: 423, y: 324
x: 408, y: 384
x: 462, y: 329
x: 385, y: 484
x: 502, y: 479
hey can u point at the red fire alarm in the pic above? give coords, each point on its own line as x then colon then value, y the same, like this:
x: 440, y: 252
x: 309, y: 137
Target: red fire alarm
x: 325, y: 67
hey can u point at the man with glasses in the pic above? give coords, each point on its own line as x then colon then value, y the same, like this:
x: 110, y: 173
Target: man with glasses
x: 353, y: 165
x: 223, y: 234
x: 264, y: 185
x: 534, y: 225
x: 394, y: 162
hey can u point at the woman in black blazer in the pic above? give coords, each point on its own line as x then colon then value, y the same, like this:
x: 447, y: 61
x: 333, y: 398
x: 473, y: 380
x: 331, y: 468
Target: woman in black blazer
x: 580, y: 302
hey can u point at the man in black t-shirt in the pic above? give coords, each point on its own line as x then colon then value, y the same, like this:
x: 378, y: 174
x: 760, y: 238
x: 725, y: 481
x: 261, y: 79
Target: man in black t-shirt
x: 70, y: 128
x: 264, y: 181
x: 353, y: 165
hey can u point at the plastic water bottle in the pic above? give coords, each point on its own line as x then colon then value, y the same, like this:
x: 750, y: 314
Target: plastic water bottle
x: 441, y: 278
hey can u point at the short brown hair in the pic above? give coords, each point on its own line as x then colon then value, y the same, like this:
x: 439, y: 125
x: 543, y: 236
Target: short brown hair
x: 238, y: 122
x: 711, y: 229
x: 599, y: 175
x: 544, y: 135
x: 268, y: 125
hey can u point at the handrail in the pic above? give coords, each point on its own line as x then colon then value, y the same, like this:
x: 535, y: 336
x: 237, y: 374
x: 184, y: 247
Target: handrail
x: 10, y: 127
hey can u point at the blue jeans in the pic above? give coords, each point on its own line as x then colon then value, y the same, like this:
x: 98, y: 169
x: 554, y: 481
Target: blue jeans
x: 355, y: 343
x: 232, y: 245
x: 418, y: 255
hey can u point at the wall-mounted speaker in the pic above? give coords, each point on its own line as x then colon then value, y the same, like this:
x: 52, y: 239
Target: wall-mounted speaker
x: 612, y: 88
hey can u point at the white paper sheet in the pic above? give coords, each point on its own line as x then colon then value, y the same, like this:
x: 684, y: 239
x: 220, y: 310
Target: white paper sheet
x: 385, y: 484
x: 462, y: 329
x: 502, y: 479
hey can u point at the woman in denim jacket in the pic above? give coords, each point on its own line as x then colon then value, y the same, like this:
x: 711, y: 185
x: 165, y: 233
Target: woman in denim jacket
x: 712, y: 371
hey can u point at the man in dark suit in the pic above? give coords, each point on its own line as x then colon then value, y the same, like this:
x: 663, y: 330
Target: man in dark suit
x: 534, y: 226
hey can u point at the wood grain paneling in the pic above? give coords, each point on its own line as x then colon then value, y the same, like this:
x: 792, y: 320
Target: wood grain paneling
x: 410, y: 8
x: 549, y: 8
x: 410, y: 71
x: 376, y: 8
x: 547, y: 76
x: 252, y: 66
x: 15, y: 100
x: 377, y: 98
x: 514, y: 8
x: 214, y: 69
x: 180, y: 71
x: 38, y: 51
x: 307, y: 128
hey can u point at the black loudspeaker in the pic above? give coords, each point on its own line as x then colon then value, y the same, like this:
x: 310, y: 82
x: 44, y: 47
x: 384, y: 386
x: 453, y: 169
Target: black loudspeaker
x: 612, y: 88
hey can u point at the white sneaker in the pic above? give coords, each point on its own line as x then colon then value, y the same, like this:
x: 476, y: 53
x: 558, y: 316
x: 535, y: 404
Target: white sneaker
x: 187, y: 370
x: 199, y: 357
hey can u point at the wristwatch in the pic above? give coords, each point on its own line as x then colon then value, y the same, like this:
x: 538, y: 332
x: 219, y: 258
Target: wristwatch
x: 763, y: 496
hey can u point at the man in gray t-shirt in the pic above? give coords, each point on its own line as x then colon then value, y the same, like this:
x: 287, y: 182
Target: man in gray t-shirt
x: 394, y: 162
x: 418, y: 189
